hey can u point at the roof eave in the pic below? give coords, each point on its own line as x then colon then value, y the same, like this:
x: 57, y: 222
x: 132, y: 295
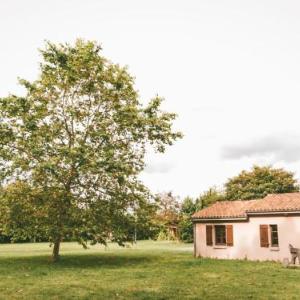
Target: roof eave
x: 218, y: 219
x: 273, y: 212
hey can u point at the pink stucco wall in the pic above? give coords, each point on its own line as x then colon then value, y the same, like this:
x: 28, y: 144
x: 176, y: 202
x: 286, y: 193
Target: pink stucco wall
x: 247, y: 239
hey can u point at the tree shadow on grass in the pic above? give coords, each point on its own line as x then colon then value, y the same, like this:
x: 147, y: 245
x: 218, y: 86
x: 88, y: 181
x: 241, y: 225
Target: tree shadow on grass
x: 88, y: 261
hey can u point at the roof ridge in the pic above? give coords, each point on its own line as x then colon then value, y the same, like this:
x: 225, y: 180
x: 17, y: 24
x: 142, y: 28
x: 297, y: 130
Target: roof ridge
x: 275, y: 194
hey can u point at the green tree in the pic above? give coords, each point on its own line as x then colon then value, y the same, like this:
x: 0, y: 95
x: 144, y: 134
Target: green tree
x: 209, y: 197
x: 188, y: 208
x: 143, y: 225
x: 259, y: 182
x: 76, y: 141
x: 167, y: 216
x: 22, y: 213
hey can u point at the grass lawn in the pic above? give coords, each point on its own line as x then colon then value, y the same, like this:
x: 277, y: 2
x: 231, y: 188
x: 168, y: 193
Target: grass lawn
x: 150, y: 270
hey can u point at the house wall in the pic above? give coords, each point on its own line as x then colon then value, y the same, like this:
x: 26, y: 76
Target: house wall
x: 246, y: 237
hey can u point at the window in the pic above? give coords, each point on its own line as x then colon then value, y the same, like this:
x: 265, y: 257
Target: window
x: 220, y: 235
x: 274, y: 235
x: 269, y: 236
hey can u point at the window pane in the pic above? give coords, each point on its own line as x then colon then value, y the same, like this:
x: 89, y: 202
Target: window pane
x: 220, y: 234
x: 274, y: 236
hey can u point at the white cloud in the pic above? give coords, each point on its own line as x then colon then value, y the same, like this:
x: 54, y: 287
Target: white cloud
x: 279, y: 147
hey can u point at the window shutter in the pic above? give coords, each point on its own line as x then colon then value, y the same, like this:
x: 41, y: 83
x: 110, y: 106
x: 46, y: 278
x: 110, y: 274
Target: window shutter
x: 229, y: 235
x: 264, y: 236
x: 209, y: 240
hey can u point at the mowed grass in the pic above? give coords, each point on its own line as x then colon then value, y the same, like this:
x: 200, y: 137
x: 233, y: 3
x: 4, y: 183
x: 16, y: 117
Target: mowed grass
x: 149, y: 270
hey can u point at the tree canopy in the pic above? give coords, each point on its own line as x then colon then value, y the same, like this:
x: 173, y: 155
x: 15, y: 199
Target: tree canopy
x: 71, y: 149
x: 209, y: 197
x: 188, y: 208
x: 259, y: 182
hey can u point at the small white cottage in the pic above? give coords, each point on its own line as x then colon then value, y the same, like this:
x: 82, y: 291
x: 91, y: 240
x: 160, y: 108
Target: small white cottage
x: 254, y: 229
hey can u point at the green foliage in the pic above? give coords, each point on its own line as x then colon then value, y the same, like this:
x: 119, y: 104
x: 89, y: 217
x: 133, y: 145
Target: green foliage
x: 167, y: 215
x: 188, y: 208
x: 73, y: 148
x: 186, y: 229
x: 165, y: 235
x: 21, y: 213
x: 259, y: 182
x: 143, y: 225
x: 209, y: 197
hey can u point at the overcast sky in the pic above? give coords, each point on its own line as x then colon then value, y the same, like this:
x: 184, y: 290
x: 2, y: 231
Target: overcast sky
x: 229, y: 69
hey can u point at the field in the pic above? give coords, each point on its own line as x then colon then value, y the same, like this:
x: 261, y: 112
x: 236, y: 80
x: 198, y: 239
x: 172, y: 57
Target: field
x: 149, y: 270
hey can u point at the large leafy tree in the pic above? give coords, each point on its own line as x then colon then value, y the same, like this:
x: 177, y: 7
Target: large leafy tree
x: 259, y: 182
x: 74, y: 145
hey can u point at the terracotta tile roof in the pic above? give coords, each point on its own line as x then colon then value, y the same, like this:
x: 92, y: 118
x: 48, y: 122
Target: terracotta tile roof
x: 240, y: 209
x: 225, y: 209
x: 277, y: 202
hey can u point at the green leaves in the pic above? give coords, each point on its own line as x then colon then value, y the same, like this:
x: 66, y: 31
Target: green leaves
x: 259, y: 182
x: 79, y: 136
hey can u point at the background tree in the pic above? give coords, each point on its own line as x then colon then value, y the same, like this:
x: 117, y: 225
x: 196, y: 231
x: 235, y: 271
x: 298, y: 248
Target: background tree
x: 259, y: 182
x: 167, y: 216
x: 76, y: 141
x: 144, y: 225
x: 209, y: 197
x: 188, y: 208
x: 21, y: 213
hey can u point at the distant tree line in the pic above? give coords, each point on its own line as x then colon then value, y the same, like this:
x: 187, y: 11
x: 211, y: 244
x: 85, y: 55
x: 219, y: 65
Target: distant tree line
x: 168, y: 217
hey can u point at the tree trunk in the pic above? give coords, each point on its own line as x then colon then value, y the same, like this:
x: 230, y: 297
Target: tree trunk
x: 55, y: 253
